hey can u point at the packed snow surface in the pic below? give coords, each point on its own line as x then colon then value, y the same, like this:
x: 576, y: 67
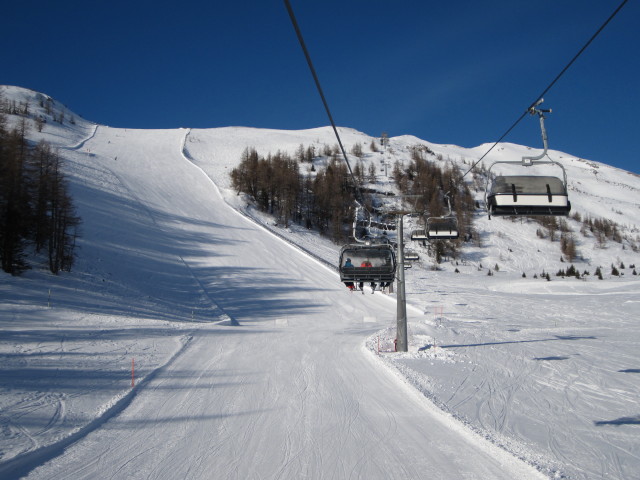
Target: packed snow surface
x: 196, y: 339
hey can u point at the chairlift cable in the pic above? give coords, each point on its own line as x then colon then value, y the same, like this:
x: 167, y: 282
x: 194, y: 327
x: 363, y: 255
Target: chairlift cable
x: 546, y: 90
x: 593, y: 37
x: 324, y: 100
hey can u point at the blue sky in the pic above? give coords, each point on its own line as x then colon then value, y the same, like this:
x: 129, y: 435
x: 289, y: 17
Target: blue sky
x: 455, y: 72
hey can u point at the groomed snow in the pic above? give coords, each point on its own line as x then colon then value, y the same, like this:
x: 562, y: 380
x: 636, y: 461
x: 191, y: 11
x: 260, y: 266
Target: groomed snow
x: 251, y: 360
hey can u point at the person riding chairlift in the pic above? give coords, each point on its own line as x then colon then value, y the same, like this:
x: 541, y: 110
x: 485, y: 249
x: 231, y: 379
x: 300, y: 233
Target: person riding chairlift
x: 368, y: 264
x: 349, y: 285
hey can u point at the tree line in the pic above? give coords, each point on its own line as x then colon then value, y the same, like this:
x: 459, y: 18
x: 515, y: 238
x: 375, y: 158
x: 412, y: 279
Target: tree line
x: 37, y: 214
x: 323, y: 201
x: 601, y: 229
x: 326, y: 200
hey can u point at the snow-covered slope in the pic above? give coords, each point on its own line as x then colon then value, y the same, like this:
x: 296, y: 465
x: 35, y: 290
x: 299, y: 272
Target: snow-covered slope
x: 247, y: 354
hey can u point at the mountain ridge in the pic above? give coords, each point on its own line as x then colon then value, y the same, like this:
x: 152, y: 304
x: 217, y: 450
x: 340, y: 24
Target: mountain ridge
x: 596, y: 190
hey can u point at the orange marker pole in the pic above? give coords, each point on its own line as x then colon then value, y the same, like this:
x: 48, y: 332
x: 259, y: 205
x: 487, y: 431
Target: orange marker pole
x: 132, y: 373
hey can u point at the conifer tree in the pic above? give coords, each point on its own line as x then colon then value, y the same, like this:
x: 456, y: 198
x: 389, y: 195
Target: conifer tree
x: 35, y: 205
x: 14, y: 199
x: 357, y: 150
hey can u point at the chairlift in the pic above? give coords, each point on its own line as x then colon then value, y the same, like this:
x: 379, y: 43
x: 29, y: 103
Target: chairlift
x: 444, y: 227
x: 529, y: 194
x: 411, y: 256
x: 419, y: 234
x: 370, y: 260
x: 367, y: 263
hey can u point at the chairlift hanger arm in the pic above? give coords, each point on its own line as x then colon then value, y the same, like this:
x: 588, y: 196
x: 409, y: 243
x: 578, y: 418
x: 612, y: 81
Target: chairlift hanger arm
x: 450, y: 214
x: 527, y: 161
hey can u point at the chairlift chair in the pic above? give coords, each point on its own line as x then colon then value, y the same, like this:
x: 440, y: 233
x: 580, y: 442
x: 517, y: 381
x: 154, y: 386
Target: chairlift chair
x: 419, y: 234
x: 444, y: 227
x: 411, y: 256
x: 529, y: 194
x: 354, y: 259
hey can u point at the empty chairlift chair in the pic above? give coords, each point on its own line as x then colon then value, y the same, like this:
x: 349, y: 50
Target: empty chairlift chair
x: 529, y: 194
x: 419, y: 234
x: 411, y: 256
x: 442, y: 228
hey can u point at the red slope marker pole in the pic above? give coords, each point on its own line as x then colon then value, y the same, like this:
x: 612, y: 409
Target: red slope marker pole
x: 132, y: 373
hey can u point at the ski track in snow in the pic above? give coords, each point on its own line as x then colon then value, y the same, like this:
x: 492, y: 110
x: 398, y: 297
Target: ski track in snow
x: 563, y: 383
x: 273, y: 388
x: 250, y: 354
